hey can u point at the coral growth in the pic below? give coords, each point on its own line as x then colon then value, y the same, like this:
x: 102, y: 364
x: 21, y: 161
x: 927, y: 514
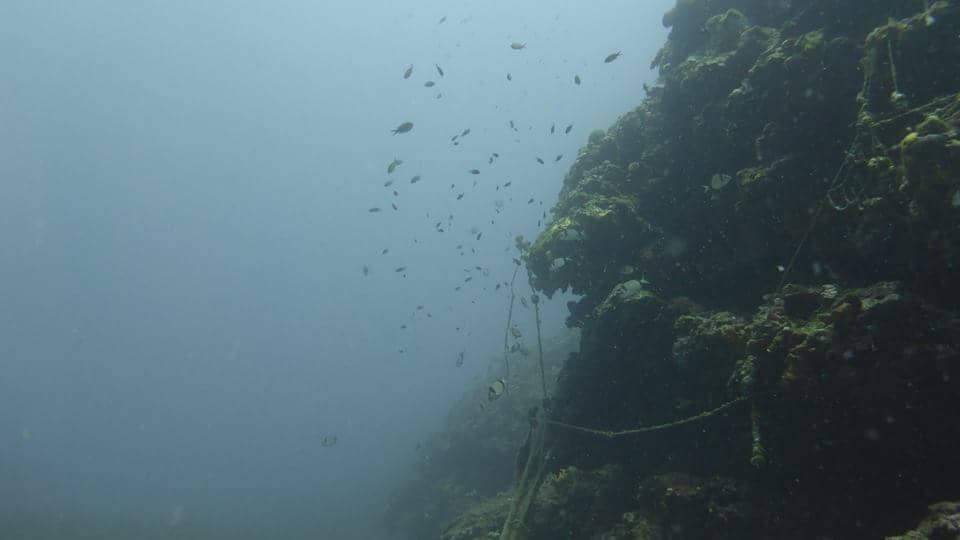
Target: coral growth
x: 772, y: 236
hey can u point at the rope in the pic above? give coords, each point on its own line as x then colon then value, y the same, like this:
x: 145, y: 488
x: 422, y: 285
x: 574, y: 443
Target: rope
x: 933, y: 104
x: 818, y: 211
x: 543, y: 373
x: 646, y: 429
x: 506, y: 331
x: 528, y: 483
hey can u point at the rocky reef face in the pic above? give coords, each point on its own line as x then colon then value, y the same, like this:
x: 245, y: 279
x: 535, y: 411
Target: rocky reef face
x: 849, y: 429
x: 767, y: 247
x: 766, y: 114
x: 779, y: 220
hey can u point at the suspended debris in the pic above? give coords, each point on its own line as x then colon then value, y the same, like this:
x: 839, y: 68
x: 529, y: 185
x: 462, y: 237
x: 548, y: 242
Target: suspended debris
x: 328, y: 440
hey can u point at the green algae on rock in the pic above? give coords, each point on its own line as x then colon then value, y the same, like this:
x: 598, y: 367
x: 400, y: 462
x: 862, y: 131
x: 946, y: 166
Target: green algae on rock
x: 817, y: 149
x: 778, y: 222
x: 942, y: 521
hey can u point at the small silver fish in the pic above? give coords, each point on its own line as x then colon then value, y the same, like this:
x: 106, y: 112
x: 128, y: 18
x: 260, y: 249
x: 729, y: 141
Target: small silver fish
x: 402, y: 128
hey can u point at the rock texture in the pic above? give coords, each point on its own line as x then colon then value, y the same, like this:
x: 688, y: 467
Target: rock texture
x: 773, y: 235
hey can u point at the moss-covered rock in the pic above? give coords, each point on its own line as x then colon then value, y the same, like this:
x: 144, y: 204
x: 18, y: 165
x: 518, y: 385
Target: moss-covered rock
x: 905, y: 60
x: 941, y: 523
x: 573, y: 502
x: 481, y: 522
x: 776, y: 111
x: 566, y: 254
x: 687, y: 506
x: 630, y: 310
x: 768, y: 245
x: 724, y: 30
x: 930, y: 170
x: 705, y: 350
x: 840, y: 406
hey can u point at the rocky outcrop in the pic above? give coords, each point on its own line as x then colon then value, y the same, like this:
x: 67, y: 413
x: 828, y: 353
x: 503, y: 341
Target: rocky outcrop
x: 776, y: 223
x: 765, y: 252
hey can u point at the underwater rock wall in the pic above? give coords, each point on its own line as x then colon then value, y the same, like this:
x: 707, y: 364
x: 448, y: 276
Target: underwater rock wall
x: 708, y: 187
x: 777, y: 224
x: 765, y: 254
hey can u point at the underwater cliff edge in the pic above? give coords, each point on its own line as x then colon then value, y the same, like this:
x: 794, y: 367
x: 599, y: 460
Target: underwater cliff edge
x: 765, y: 255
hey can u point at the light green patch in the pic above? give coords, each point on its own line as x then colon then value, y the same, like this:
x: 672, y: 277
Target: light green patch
x: 723, y: 31
x: 811, y: 42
